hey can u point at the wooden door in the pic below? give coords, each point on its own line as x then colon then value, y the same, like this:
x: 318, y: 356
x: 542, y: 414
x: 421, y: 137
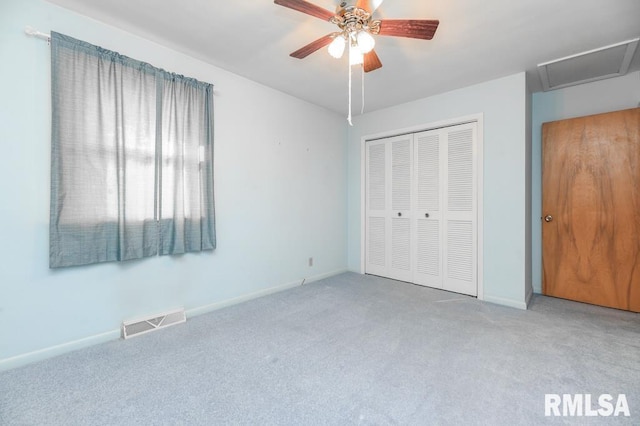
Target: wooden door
x: 591, y: 209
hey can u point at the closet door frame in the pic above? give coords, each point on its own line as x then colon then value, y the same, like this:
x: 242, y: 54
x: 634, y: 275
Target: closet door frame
x: 479, y: 158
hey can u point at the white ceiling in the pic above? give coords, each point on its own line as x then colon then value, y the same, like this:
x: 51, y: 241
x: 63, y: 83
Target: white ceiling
x: 475, y: 42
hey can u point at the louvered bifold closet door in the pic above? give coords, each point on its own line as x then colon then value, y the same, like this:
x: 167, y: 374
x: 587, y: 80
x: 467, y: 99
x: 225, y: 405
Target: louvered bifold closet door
x: 402, y: 232
x: 389, y: 170
x: 460, y: 210
x: 421, y: 208
x: 427, y: 215
x: 376, y: 226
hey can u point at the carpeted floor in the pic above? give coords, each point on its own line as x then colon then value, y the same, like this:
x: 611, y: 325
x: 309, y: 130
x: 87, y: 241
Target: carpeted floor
x: 351, y: 349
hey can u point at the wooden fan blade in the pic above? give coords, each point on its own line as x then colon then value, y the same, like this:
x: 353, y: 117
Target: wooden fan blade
x: 306, y: 7
x: 307, y: 50
x: 371, y: 61
x: 412, y: 28
x: 364, y: 4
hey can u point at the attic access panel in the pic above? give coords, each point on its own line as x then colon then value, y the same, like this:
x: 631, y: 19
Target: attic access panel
x: 605, y: 62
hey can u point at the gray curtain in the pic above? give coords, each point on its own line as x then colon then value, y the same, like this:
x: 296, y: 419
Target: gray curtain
x: 186, y: 207
x: 132, y: 158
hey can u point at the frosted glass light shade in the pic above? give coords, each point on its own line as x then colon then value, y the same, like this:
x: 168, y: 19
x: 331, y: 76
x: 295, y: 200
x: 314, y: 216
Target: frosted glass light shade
x: 336, y: 48
x: 355, y: 56
x: 365, y: 42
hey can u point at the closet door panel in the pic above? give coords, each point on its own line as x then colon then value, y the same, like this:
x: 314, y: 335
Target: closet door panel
x: 427, y: 214
x: 376, y: 209
x: 460, y: 230
x: 400, y: 214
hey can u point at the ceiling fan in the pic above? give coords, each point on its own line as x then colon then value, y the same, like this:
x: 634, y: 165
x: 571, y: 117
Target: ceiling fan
x: 356, y: 28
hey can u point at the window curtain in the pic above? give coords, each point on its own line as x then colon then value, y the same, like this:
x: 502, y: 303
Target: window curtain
x: 132, y: 158
x: 186, y: 206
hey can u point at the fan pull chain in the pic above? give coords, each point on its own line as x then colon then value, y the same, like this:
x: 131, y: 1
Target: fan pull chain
x: 349, y: 116
x: 362, y: 109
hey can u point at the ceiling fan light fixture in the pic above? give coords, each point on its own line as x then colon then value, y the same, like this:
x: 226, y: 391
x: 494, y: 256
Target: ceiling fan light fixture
x: 356, y: 57
x: 357, y: 28
x: 366, y: 42
x: 336, y: 48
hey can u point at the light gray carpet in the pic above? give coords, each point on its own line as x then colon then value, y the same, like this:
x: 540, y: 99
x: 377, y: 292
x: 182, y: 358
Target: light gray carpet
x: 351, y: 349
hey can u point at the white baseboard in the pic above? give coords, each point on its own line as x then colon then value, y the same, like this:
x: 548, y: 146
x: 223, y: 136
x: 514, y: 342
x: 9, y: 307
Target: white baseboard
x: 326, y: 275
x: 52, y: 351
x: 223, y: 304
x: 506, y: 302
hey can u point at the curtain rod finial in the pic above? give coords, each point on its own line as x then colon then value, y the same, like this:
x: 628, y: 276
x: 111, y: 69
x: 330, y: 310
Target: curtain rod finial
x: 30, y: 31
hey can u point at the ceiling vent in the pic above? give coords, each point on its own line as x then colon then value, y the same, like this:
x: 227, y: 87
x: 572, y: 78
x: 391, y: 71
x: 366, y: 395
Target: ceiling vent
x: 605, y: 62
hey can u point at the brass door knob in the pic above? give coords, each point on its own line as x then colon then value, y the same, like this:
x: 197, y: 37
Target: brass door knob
x: 548, y: 218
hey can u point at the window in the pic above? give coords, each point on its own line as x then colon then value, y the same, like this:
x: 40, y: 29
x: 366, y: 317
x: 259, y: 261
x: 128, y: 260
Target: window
x: 132, y: 158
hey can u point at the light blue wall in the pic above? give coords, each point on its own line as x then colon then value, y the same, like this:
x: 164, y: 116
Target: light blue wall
x: 586, y: 99
x: 503, y: 102
x: 280, y: 196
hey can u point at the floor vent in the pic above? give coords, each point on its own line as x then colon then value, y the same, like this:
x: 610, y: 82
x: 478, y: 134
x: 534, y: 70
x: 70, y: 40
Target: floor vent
x: 141, y: 326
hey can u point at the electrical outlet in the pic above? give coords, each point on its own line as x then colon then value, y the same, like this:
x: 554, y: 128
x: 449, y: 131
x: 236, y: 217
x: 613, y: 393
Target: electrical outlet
x: 311, y: 261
